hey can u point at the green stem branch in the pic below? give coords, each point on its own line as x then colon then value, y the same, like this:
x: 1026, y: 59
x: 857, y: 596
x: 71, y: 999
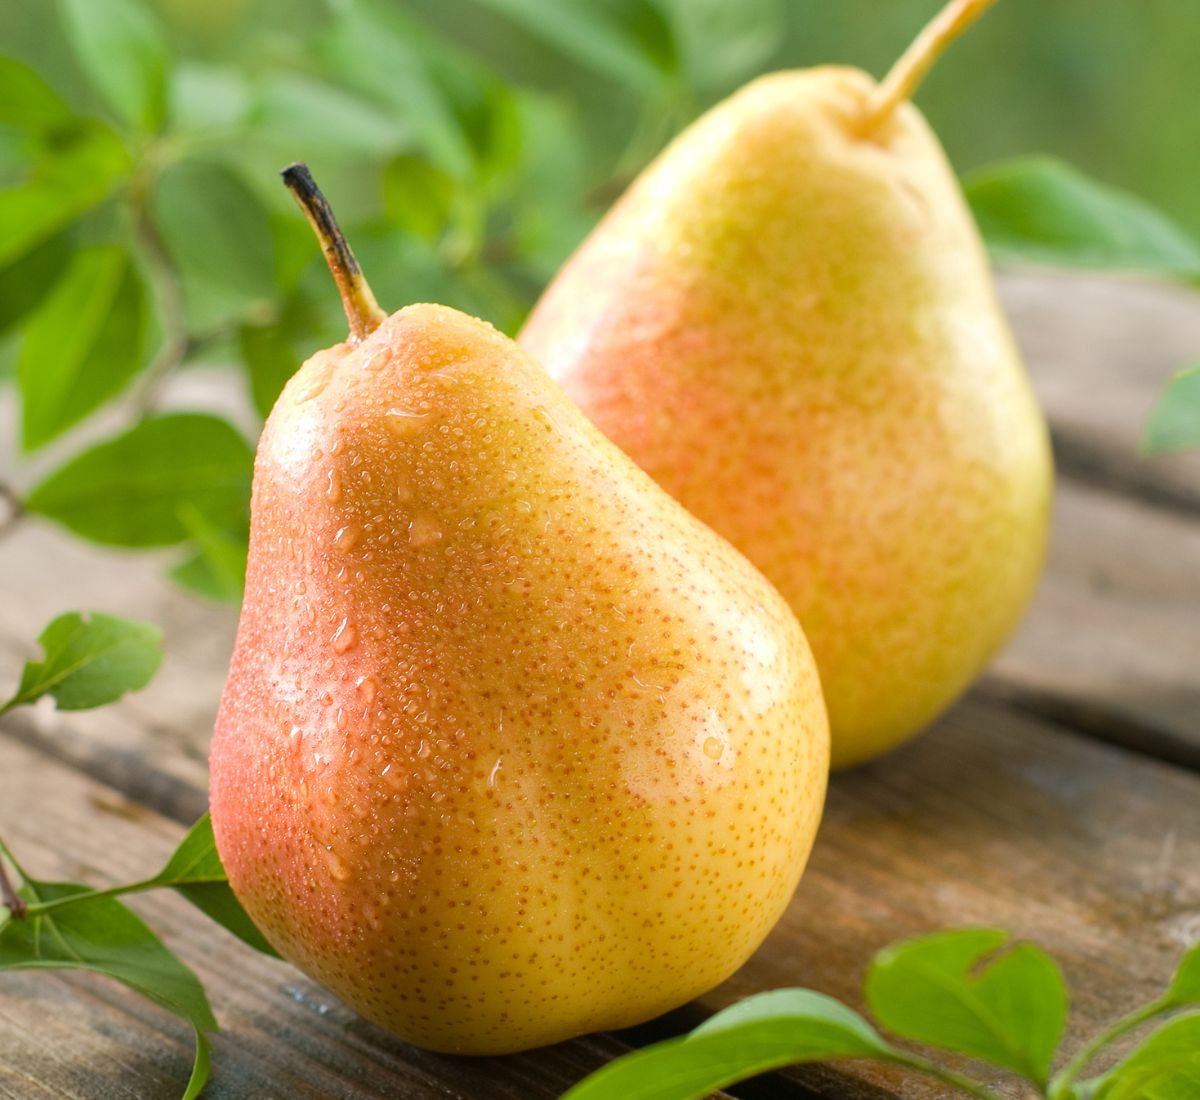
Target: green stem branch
x: 1067, y: 1076
x: 947, y: 1076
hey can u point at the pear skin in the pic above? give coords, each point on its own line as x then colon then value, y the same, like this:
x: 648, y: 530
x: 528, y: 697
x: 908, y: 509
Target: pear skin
x: 512, y: 747
x: 789, y: 321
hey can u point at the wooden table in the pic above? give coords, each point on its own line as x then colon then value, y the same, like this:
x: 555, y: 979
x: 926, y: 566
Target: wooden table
x: 1060, y: 799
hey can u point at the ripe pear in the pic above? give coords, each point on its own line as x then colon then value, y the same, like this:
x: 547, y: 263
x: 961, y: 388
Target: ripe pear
x: 512, y: 747
x: 789, y: 321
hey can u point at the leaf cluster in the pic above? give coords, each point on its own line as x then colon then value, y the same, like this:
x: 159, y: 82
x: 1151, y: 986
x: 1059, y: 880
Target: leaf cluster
x: 969, y: 992
x: 88, y: 661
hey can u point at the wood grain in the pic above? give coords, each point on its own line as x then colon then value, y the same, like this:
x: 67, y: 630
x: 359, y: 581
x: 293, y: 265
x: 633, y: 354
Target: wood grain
x: 1100, y: 350
x: 1111, y: 643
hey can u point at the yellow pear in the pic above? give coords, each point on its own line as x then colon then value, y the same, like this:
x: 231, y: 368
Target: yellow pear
x: 790, y: 323
x: 512, y: 747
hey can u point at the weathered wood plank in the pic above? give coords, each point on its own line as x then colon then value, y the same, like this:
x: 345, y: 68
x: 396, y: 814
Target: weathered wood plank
x: 1111, y: 644
x: 80, y: 1036
x: 1100, y: 349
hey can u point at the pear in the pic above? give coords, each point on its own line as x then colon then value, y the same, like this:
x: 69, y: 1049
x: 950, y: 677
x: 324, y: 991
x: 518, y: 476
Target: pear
x: 789, y: 321
x: 512, y: 747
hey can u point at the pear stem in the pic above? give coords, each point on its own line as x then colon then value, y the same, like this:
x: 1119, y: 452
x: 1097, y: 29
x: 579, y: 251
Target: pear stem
x: 362, y: 311
x: 908, y: 72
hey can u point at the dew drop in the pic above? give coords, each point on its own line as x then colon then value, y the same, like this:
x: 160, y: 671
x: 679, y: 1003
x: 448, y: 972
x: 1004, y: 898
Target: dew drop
x: 422, y: 531
x: 344, y: 637
x: 376, y: 361
x: 713, y: 748
x: 333, y: 488
x: 367, y: 687
x: 314, y: 385
x: 347, y: 537
x: 337, y: 866
x: 423, y: 750
x: 403, y: 423
x: 546, y: 419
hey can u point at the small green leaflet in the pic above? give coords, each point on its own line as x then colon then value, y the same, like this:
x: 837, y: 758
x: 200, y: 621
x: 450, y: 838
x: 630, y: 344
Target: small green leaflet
x: 765, y: 1032
x: 1185, y: 986
x: 1041, y: 210
x: 1175, y: 422
x: 720, y: 45
x: 636, y: 52
x: 129, y: 491
x: 72, y: 171
x: 101, y: 934
x: 26, y: 100
x: 90, y: 660
x: 26, y: 281
x: 367, y: 39
x: 84, y: 342
x: 960, y: 991
x: 311, y: 118
x: 120, y: 45
x: 1164, y: 1067
x: 195, y: 871
x: 216, y: 567
x: 269, y: 361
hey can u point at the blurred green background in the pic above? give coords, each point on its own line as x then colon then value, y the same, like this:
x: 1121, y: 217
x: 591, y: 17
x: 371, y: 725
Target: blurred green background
x: 1109, y: 84
x: 467, y: 146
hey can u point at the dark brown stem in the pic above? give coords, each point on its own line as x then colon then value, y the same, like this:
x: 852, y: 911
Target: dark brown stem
x: 9, y: 896
x: 362, y: 311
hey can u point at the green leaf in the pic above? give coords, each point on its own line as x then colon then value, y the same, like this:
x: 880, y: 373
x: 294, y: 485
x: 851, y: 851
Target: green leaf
x: 73, y: 171
x: 121, y: 47
x: 90, y: 660
x: 25, y: 282
x: 765, y: 1032
x: 101, y: 934
x: 1041, y: 210
x: 627, y: 42
x: 219, y: 236
x: 1164, y: 1067
x: 1185, y: 986
x: 128, y: 491
x: 1174, y: 423
x: 721, y: 45
x: 269, y: 361
x: 26, y: 100
x: 204, y: 99
x: 84, y: 343
x: 368, y: 39
x: 958, y: 990
x: 311, y: 118
x: 216, y: 568
x: 418, y: 196
x: 195, y: 871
